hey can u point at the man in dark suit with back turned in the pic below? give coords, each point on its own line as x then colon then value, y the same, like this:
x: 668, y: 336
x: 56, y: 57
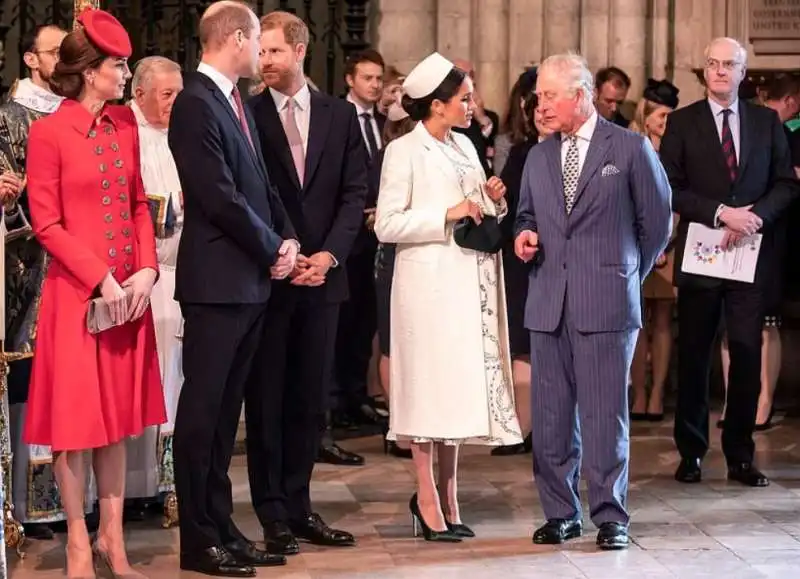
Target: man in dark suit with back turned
x: 236, y: 237
x: 315, y: 153
x: 729, y: 167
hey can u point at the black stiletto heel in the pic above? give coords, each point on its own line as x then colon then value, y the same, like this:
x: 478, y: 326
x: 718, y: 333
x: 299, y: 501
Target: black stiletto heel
x: 417, y: 521
x: 460, y: 530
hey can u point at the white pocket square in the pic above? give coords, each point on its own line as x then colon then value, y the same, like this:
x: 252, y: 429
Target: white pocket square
x: 609, y: 170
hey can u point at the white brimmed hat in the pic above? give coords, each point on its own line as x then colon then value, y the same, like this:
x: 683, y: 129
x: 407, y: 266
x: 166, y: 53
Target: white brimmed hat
x: 427, y: 76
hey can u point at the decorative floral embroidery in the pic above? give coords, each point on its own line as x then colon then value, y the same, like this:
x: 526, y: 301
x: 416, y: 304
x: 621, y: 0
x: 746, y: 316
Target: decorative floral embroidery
x: 503, y: 423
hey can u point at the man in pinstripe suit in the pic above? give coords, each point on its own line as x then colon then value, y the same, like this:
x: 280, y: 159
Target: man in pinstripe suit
x: 594, y: 214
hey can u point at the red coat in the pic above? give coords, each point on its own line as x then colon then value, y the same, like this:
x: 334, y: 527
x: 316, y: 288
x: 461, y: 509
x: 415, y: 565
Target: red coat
x: 89, y: 211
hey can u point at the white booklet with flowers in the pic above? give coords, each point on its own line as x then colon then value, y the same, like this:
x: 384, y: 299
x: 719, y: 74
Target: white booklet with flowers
x: 704, y: 254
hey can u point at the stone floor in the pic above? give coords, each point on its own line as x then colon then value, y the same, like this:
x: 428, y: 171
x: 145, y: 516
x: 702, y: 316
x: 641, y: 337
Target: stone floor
x: 714, y: 529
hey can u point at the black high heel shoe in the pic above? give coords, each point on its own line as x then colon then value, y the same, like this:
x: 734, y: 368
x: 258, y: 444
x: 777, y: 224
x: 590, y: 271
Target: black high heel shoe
x: 417, y: 521
x: 390, y: 446
x: 768, y: 424
x: 460, y: 530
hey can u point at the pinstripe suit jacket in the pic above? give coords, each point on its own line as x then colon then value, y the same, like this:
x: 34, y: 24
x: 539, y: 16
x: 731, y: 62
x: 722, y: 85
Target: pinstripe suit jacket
x: 594, y: 259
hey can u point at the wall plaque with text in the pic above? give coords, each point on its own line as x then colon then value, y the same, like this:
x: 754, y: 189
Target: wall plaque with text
x: 775, y: 26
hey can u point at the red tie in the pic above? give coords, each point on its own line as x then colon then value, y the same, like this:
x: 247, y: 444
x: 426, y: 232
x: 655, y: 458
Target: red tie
x: 237, y: 98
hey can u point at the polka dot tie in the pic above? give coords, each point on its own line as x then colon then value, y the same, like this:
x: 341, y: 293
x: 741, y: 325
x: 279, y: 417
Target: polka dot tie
x: 571, y: 173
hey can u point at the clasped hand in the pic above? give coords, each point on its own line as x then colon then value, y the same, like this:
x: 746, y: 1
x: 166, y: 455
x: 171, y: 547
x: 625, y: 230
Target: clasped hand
x: 287, y: 259
x: 128, y: 302
x: 739, y: 223
x: 311, y: 271
x: 495, y: 189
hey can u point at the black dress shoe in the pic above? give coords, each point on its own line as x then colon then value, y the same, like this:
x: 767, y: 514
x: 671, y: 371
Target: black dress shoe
x: 280, y: 540
x: 332, y: 453
x: 556, y: 531
x: 215, y: 561
x: 689, y: 471
x: 246, y: 553
x: 748, y: 475
x: 38, y: 531
x: 613, y: 536
x: 314, y: 530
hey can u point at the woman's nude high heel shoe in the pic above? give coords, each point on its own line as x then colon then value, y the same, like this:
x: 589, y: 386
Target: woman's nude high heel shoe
x: 106, y: 560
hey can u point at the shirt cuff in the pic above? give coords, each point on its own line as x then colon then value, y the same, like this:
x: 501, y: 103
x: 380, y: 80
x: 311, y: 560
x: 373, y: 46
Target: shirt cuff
x: 717, y: 213
x: 333, y: 259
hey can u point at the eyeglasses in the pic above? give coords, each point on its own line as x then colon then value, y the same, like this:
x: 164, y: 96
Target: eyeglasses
x: 52, y: 52
x: 727, y: 65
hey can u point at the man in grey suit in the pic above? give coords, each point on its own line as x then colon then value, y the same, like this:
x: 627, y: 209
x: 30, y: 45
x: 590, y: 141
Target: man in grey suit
x: 594, y: 214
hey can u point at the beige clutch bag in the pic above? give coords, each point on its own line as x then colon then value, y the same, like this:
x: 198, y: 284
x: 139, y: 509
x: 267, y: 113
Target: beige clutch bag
x: 98, y: 318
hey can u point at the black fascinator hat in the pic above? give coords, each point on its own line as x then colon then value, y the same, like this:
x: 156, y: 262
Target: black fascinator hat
x: 662, y: 92
x: 527, y: 80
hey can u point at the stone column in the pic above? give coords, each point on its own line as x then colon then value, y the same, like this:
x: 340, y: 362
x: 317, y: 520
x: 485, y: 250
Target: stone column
x: 491, y: 28
x: 525, y: 35
x: 562, y: 26
x: 690, y: 40
x: 658, y: 64
x: 406, y: 31
x: 628, y: 34
x: 595, y: 23
x: 454, y: 28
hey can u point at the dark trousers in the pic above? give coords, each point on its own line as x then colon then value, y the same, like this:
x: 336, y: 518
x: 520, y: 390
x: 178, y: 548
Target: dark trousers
x: 285, y: 405
x: 699, y: 312
x: 218, y: 346
x: 357, y: 326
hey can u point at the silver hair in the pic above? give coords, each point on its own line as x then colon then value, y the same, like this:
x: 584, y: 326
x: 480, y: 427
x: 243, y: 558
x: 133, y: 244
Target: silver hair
x: 741, y: 51
x: 148, y: 67
x: 573, y: 69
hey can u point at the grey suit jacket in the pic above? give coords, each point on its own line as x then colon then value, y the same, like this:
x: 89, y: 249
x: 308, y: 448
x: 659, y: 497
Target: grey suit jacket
x: 595, y: 259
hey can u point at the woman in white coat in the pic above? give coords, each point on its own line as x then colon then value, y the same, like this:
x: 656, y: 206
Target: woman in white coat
x: 450, y: 365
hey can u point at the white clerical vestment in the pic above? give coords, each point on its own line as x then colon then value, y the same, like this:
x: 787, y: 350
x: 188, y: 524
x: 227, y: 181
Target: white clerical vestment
x: 150, y: 469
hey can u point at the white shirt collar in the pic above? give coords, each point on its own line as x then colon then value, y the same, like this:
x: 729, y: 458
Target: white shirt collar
x: 359, y: 109
x: 586, y: 130
x: 223, y: 82
x: 302, y: 98
x: 716, y: 108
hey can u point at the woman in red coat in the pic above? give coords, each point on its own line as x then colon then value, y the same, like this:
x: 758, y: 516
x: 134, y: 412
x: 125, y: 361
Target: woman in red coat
x: 89, y: 211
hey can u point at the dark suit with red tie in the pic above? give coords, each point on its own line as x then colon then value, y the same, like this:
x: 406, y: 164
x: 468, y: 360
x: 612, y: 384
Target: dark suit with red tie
x: 234, y: 225
x: 285, y: 398
x: 715, y: 158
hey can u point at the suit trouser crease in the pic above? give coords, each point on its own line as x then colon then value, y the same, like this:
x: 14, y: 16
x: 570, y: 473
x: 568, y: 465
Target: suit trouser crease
x: 742, y: 307
x: 579, y: 404
x: 218, y: 347
x: 285, y: 406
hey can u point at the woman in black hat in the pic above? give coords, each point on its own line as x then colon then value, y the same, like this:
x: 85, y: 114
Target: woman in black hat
x: 660, y: 98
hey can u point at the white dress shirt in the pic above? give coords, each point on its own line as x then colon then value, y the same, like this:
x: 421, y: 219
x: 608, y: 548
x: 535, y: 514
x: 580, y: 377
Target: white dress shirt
x: 733, y: 122
x: 223, y: 82
x: 373, y: 124
x: 584, y: 135
x: 302, y: 110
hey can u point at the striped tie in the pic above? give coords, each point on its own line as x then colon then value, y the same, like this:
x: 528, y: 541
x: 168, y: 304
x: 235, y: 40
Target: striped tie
x: 728, y: 149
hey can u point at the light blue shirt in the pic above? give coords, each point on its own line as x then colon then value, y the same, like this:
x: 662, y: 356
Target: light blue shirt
x: 733, y: 122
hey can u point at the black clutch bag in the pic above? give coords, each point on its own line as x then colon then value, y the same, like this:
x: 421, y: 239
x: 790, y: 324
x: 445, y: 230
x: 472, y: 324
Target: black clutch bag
x: 486, y: 237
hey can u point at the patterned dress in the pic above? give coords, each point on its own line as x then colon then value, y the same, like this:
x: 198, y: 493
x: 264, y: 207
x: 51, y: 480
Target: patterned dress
x: 480, y: 407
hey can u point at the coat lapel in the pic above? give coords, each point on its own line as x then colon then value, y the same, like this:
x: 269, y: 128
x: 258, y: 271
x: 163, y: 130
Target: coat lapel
x: 441, y: 160
x: 598, y: 147
x: 709, y: 137
x: 746, y: 134
x: 317, y: 134
x: 276, y: 136
x: 226, y: 105
x: 552, y: 149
